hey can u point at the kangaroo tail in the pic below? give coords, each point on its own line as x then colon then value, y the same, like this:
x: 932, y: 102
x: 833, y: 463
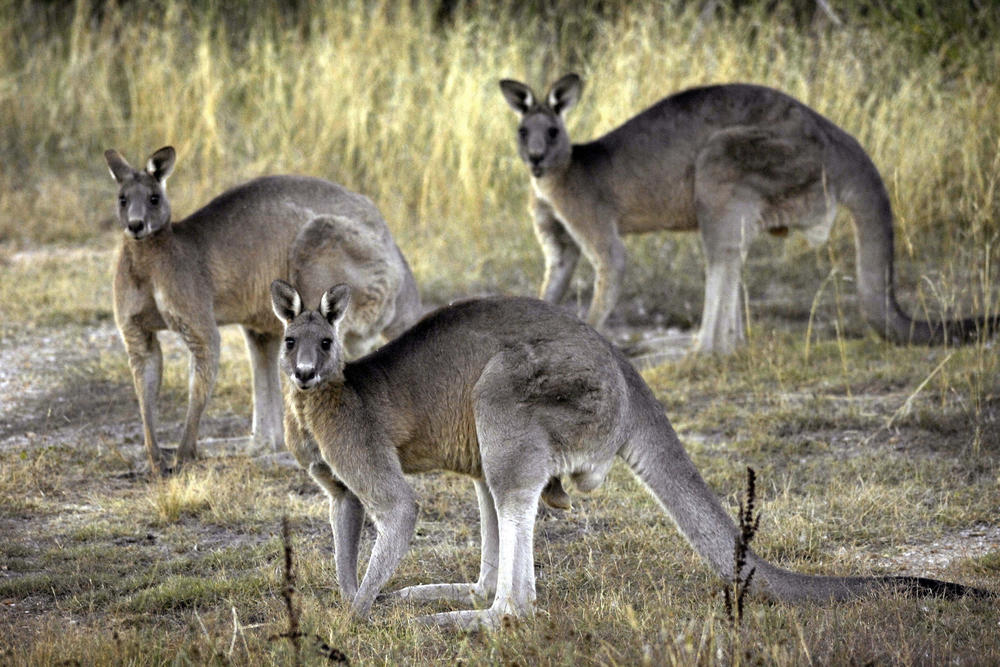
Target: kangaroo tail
x: 657, y: 457
x: 870, y: 207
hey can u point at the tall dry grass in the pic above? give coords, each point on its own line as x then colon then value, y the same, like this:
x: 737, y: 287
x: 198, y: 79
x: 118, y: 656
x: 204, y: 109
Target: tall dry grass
x: 387, y: 99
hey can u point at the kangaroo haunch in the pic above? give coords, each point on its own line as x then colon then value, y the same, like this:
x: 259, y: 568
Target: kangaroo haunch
x: 513, y: 393
x: 215, y: 267
x: 727, y: 160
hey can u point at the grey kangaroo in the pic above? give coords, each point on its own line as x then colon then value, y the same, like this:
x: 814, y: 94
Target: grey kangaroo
x: 727, y: 160
x: 215, y: 267
x: 512, y: 392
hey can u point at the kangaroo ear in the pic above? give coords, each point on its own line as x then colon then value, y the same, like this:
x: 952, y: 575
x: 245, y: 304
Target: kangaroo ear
x: 334, y: 303
x: 565, y: 93
x: 285, y: 301
x: 161, y: 163
x: 519, y: 96
x: 120, y: 168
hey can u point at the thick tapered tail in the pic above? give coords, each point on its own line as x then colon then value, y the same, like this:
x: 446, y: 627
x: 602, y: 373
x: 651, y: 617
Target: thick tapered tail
x: 865, y: 196
x: 657, y: 457
x: 933, y: 587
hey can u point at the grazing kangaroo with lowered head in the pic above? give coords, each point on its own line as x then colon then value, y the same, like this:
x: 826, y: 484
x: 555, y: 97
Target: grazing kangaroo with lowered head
x: 215, y: 267
x: 513, y: 393
x: 728, y: 160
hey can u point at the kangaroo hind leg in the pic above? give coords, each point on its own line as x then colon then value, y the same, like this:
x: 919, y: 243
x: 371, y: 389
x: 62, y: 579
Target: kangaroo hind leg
x: 747, y: 179
x: 725, y: 234
x: 480, y: 591
x: 334, y: 249
x: 516, y: 456
x: 268, y: 434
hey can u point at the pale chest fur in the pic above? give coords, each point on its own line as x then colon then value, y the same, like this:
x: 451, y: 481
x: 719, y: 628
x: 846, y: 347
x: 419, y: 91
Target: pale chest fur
x: 321, y: 414
x: 548, y: 192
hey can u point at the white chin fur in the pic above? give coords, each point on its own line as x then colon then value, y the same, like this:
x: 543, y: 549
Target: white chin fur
x: 307, y: 385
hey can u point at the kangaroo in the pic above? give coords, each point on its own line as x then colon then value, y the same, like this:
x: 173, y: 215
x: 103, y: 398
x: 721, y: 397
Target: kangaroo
x: 512, y: 392
x: 728, y: 160
x: 215, y: 267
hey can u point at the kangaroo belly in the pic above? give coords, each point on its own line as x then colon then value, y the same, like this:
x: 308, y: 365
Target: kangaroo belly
x: 443, y: 444
x: 665, y: 216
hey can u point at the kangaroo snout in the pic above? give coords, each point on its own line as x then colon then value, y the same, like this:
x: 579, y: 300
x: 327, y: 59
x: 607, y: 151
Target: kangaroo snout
x: 304, y: 375
x: 535, y: 162
x: 135, y: 228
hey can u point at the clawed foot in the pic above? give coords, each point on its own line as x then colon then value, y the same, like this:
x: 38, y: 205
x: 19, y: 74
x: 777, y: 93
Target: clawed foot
x: 463, y: 593
x: 169, y: 460
x: 241, y: 444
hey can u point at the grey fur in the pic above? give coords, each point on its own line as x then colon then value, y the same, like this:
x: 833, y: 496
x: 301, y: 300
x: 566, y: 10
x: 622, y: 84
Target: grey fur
x: 728, y: 160
x: 513, y: 393
x: 215, y: 267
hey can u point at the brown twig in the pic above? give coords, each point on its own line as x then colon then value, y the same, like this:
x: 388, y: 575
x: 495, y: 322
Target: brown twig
x: 294, y: 633
x: 735, y: 592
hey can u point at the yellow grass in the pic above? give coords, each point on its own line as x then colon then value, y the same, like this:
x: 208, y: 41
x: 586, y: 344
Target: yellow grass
x: 380, y: 97
x: 863, y: 450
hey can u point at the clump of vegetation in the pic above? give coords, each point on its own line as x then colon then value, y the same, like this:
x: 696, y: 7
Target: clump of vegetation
x: 734, y: 594
x: 294, y: 633
x: 399, y: 100
x: 871, y: 452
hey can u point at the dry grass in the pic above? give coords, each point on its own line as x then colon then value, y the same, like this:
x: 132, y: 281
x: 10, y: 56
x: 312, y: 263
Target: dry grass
x: 865, y: 452
x: 384, y: 100
x: 103, y: 566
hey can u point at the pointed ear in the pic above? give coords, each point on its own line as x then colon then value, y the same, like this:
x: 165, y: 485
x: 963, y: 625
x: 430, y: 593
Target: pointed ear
x: 161, y: 163
x: 565, y: 93
x: 119, y: 167
x: 519, y: 96
x: 333, y: 305
x: 285, y: 301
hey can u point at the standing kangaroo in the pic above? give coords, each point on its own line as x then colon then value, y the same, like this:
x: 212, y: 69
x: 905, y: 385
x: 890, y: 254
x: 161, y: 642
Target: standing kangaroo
x: 513, y: 393
x: 215, y: 267
x: 728, y: 160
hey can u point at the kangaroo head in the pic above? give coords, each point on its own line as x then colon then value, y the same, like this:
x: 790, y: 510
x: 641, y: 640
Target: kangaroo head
x: 542, y: 140
x: 313, y: 352
x: 143, y: 209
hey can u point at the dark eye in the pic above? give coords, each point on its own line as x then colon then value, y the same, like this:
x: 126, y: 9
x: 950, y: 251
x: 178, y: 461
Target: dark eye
x: 553, y: 133
x: 122, y: 201
x: 289, y: 343
x: 522, y: 132
x: 154, y: 200
x: 325, y: 344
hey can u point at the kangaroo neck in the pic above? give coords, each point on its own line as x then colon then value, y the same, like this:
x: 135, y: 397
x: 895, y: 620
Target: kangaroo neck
x: 152, y: 251
x: 334, y: 400
x: 549, y: 185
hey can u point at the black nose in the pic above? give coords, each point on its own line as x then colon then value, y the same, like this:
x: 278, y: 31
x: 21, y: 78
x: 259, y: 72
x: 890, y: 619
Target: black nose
x: 135, y: 226
x: 304, y: 375
x: 535, y: 159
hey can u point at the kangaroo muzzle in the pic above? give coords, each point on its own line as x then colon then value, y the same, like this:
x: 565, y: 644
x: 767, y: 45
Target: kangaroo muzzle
x: 305, y: 376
